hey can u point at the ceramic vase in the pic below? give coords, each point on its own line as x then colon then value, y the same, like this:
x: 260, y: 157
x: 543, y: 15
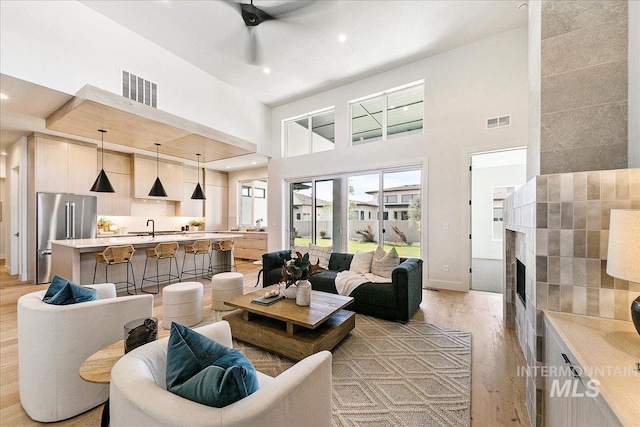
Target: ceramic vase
x: 303, y: 297
x: 291, y: 291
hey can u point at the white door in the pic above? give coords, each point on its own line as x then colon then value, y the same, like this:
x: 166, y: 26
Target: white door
x: 15, y: 220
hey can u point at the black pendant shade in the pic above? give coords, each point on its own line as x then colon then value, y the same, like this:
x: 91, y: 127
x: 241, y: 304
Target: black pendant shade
x: 157, y: 190
x: 198, y: 194
x: 102, y: 184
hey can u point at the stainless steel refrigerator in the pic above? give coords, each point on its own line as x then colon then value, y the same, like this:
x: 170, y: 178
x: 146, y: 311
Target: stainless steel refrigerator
x: 61, y: 216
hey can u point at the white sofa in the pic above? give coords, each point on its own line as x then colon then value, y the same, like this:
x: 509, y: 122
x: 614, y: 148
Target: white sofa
x: 54, y: 340
x: 300, y: 396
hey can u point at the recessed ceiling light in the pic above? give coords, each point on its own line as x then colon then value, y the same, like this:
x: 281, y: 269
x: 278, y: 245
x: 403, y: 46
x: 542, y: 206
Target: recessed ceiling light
x: 4, y: 153
x: 392, y: 107
x: 228, y: 167
x: 253, y: 163
x: 3, y: 96
x: 342, y: 38
x: 266, y: 70
x: 405, y: 108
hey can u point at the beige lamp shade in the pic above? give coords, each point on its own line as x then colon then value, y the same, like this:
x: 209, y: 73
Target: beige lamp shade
x: 623, y: 257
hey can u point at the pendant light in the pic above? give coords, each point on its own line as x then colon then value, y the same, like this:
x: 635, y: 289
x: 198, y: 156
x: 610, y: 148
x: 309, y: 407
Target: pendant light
x: 198, y: 194
x: 102, y: 184
x: 157, y: 190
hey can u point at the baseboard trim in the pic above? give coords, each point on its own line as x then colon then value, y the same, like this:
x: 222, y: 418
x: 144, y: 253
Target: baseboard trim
x: 443, y: 284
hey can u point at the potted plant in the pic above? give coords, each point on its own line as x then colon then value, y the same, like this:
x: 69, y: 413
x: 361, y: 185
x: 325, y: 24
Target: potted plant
x: 195, y: 224
x: 104, y: 224
x: 296, y: 272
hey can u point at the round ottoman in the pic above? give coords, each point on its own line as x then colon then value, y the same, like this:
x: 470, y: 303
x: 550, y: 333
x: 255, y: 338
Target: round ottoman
x: 225, y: 286
x: 182, y: 303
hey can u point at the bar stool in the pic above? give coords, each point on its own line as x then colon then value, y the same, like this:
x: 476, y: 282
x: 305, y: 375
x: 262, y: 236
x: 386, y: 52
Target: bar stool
x: 161, y: 251
x: 225, y: 247
x: 113, y: 255
x: 199, y: 247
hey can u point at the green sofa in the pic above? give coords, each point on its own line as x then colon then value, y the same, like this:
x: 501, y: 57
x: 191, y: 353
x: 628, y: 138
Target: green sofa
x: 397, y: 300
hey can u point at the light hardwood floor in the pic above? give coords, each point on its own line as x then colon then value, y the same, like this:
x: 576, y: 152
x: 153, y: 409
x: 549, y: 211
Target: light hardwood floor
x: 497, y: 395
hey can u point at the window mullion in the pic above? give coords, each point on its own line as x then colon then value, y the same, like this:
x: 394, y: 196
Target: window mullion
x: 309, y: 124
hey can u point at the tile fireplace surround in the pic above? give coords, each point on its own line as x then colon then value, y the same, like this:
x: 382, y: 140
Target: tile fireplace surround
x: 558, y: 226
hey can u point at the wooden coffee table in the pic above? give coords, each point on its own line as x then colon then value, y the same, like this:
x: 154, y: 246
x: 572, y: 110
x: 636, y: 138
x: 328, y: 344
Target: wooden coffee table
x: 288, y: 329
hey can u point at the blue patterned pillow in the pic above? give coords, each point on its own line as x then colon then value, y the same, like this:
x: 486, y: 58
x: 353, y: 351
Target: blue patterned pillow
x: 204, y: 371
x: 63, y: 292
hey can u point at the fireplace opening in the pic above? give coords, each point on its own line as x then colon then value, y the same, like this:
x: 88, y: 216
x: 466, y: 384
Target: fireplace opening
x: 520, y: 281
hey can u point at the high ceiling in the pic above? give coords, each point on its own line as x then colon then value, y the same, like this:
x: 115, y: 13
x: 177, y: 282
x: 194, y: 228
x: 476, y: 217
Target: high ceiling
x: 302, y: 48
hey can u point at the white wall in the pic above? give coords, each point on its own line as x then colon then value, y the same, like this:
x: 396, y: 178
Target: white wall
x: 634, y: 84
x: 483, y: 181
x: 463, y: 87
x: 65, y: 45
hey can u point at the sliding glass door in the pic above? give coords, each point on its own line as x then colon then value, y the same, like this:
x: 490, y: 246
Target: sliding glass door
x: 359, y: 212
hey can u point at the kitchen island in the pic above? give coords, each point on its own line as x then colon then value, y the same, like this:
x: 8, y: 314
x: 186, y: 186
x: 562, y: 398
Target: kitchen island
x: 74, y: 259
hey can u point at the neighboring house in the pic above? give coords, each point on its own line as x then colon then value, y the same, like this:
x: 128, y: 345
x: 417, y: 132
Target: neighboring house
x: 397, y: 201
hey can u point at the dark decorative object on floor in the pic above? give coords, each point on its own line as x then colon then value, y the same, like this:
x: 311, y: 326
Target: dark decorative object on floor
x: 635, y: 313
x: 139, y: 332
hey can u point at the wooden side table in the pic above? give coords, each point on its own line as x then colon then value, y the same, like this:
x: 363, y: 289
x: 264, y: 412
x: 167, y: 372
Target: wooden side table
x: 97, y: 368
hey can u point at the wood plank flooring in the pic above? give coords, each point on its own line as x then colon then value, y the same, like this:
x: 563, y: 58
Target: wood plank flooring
x: 497, y: 395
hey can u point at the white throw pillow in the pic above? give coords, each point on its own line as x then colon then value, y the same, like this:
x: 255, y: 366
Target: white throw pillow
x: 383, y: 263
x: 361, y: 262
x: 319, y: 253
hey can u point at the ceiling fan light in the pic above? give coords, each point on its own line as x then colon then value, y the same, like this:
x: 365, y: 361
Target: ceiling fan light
x: 157, y: 190
x: 102, y: 184
x: 198, y: 194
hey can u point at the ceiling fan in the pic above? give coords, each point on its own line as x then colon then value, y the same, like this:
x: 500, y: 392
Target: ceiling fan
x: 254, y: 16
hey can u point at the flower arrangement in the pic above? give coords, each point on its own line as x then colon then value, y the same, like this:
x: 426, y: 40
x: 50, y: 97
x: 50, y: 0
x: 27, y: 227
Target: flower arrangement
x: 196, y: 223
x: 296, y: 269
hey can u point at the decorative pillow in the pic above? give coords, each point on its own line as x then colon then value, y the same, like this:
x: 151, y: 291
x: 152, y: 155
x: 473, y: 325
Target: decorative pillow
x: 319, y: 253
x: 63, y: 292
x: 301, y: 249
x: 361, y: 262
x: 383, y: 263
x: 204, y: 371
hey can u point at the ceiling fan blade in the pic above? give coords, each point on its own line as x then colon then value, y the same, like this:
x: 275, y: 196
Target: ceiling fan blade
x: 253, y: 49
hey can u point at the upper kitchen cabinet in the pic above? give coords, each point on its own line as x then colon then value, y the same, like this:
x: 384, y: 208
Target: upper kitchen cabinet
x: 216, y: 205
x: 188, y: 206
x: 144, y: 175
x: 118, y: 169
x: 63, y: 165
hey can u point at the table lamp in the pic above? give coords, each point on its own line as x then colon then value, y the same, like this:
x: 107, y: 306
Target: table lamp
x: 623, y: 257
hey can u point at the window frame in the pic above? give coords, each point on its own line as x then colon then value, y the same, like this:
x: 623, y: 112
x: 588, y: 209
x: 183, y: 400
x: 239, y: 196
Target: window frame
x: 309, y: 117
x: 385, y: 111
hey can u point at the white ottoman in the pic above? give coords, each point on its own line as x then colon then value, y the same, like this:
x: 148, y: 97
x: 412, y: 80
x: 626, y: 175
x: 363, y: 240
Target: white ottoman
x: 182, y: 303
x: 225, y: 286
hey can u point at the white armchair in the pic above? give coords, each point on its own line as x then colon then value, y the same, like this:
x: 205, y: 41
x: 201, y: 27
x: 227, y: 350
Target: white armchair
x: 300, y: 396
x: 54, y: 340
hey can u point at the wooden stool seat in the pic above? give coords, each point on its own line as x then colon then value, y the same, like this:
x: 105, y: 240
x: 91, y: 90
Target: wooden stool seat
x: 161, y: 251
x: 112, y: 255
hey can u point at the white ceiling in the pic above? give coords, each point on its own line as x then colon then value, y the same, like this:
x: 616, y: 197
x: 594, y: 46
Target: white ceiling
x: 301, y: 48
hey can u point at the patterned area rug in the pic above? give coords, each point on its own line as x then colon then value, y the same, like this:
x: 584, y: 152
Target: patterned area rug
x: 393, y: 374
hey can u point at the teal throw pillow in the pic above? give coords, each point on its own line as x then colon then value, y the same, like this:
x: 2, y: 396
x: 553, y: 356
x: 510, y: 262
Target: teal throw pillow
x: 63, y: 292
x: 204, y: 371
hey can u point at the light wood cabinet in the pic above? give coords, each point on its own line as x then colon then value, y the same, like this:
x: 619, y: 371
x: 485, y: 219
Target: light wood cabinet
x: 571, y: 397
x: 144, y: 175
x: 64, y: 166
x: 251, y: 245
x: 118, y: 169
x: 216, y: 206
x: 189, y: 207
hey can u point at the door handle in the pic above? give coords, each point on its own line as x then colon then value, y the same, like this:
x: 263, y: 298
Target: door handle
x: 73, y: 220
x: 66, y: 220
x: 17, y: 234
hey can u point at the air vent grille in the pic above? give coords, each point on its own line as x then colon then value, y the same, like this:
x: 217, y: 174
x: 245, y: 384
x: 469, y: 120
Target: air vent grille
x: 138, y: 89
x: 498, y: 122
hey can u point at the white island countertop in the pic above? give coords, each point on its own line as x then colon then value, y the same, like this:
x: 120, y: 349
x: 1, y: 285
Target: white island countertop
x: 101, y: 242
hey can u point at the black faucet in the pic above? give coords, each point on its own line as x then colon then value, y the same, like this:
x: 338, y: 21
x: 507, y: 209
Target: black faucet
x: 153, y: 227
